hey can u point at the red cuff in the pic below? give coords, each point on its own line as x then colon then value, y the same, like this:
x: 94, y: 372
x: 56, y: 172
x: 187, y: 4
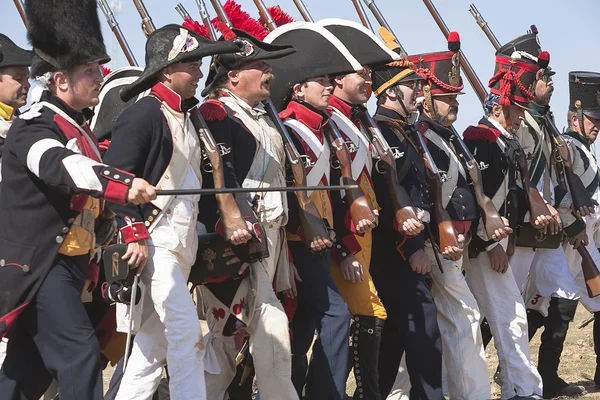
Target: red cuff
x: 134, y: 232
x: 118, y: 185
x: 92, y: 275
x: 351, y: 244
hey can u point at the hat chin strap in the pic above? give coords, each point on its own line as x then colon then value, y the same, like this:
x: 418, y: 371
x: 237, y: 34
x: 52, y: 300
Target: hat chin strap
x: 400, y: 99
x: 581, y: 125
x: 430, y: 104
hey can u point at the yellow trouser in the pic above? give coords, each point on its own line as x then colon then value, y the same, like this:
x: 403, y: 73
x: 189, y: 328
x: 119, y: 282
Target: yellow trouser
x: 361, y: 297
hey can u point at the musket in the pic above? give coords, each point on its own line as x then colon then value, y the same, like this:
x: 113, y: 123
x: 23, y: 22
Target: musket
x: 114, y: 26
x: 185, y: 192
x: 21, y: 10
x: 206, y: 19
x: 566, y: 178
x: 361, y: 14
x: 491, y: 219
x: 147, y: 24
x: 182, y: 11
x: 311, y: 221
x: 480, y: 90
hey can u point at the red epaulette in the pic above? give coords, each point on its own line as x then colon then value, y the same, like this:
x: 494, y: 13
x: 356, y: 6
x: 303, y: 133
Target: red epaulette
x: 481, y: 132
x: 213, y: 110
x: 287, y: 113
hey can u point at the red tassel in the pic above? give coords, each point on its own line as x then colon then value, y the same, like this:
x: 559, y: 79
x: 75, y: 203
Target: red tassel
x: 228, y: 34
x: 544, y: 59
x: 242, y: 20
x: 279, y: 16
x: 196, y: 27
x: 213, y: 110
x: 105, y: 70
x: 453, y: 41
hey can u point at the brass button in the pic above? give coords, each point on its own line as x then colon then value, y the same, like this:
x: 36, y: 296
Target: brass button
x: 59, y: 239
x: 151, y: 218
x: 132, y: 219
x: 65, y: 229
x: 71, y: 220
x: 167, y: 177
x: 147, y: 223
x: 25, y: 268
x: 2, y: 262
x: 154, y: 212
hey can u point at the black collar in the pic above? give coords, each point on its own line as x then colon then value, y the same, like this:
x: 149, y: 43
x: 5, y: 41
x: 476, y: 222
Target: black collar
x: 81, y: 117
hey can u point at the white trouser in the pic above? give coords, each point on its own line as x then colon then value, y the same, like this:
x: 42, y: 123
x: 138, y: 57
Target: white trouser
x: 401, y: 388
x: 3, y: 344
x: 502, y: 304
x: 459, y: 319
x: 592, y: 228
x: 170, y: 334
x: 269, y: 337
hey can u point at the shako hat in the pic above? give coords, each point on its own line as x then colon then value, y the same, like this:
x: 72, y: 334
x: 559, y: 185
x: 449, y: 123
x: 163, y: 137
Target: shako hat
x: 248, y: 34
x: 441, y: 69
x: 173, y: 44
x: 64, y: 34
x: 584, y: 93
x: 318, y: 53
x: 513, y: 80
x: 393, y: 73
x: 527, y: 48
x: 12, y: 55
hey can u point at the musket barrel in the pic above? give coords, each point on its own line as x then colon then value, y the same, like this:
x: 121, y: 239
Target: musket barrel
x: 185, y: 192
x: 114, y: 26
x: 182, y: 11
x: 21, y: 10
x: 484, y: 26
x: 205, y: 19
x: 303, y: 11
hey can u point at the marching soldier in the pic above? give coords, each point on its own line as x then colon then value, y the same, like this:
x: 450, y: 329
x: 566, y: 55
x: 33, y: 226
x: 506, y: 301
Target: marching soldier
x: 399, y: 263
x: 306, y: 98
x: 14, y: 83
x: 458, y: 312
x: 551, y: 290
x: 237, y: 84
x: 495, y: 146
x: 155, y: 138
x: 54, y: 178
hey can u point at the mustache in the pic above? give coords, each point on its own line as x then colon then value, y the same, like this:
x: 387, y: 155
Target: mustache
x: 268, y: 77
x: 453, y: 109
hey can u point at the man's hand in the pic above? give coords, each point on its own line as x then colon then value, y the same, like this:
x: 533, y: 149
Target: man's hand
x: 454, y: 253
x: 579, y: 239
x: 585, y: 211
x: 137, y: 255
x: 500, y: 234
x: 412, y: 226
x: 234, y: 259
x: 419, y: 262
x: 319, y: 244
x: 364, y: 226
x: 555, y: 224
x: 140, y: 192
x: 241, y: 236
x: 542, y: 222
x: 292, y: 293
x: 352, y: 270
x: 498, y: 259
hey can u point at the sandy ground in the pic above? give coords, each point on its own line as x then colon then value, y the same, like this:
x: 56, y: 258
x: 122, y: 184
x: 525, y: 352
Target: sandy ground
x: 577, y: 365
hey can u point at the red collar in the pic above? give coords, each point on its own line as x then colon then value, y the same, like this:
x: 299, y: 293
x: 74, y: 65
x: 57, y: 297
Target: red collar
x: 167, y: 95
x: 312, y: 120
x: 341, y: 105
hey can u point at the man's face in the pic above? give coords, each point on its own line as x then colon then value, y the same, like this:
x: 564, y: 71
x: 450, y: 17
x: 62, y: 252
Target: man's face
x: 543, y: 89
x: 515, y: 116
x: 252, y: 82
x: 183, y: 78
x: 408, y: 94
x: 355, y: 88
x: 14, y: 86
x: 591, y: 127
x: 446, y: 108
x: 82, y: 85
x: 315, y: 91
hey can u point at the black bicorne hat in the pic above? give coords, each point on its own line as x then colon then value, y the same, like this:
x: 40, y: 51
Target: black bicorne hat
x: 252, y: 50
x: 318, y: 53
x: 367, y: 48
x: 12, y: 55
x: 173, y: 44
x: 64, y: 34
x: 527, y: 48
x: 396, y: 72
x: 584, y: 92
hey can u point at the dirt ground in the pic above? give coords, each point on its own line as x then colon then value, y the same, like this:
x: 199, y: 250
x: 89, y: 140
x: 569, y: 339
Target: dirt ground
x: 577, y: 364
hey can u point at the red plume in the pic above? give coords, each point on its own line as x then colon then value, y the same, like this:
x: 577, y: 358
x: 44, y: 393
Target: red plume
x: 243, y: 21
x: 453, y: 41
x: 228, y: 34
x: 196, y: 27
x: 279, y: 16
x: 105, y: 70
x: 544, y: 59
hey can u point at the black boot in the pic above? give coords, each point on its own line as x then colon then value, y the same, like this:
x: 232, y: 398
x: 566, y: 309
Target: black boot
x: 560, y: 313
x: 366, y: 338
x: 597, y: 346
x: 535, y: 320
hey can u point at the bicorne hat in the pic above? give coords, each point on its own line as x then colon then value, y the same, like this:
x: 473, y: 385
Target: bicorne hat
x: 12, y: 55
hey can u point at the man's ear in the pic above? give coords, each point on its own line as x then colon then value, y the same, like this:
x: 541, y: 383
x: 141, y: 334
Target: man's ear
x: 497, y: 109
x: 234, y: 76
x: 61, y: 81
x: 298, y: 91
x: 574, y: 121
x: 391, y: 94
x: 338, y: 81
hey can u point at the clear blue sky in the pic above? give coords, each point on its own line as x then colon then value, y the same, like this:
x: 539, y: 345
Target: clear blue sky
x: 568, y: 30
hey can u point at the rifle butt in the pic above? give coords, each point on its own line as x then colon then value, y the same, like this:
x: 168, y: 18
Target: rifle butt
x: 590, y: 272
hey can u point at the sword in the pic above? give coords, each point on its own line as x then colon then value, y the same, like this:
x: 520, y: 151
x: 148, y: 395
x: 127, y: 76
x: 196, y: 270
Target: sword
x: 130, y: 325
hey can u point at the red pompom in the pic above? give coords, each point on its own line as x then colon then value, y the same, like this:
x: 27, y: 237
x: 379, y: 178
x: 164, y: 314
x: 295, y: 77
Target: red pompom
x: 544, y: 59
x: 228, y: 34
x: 242, y: 20
x: 279, y: 16
x: 105, y: 70
x: 453, y: 41
x: 196, y: 27
x: 213, y: 110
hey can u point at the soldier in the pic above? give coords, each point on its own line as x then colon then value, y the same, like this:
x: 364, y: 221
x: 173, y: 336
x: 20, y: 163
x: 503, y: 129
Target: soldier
x: 458, y: 312
x: 54, y: 178
x: 237, y: 84
x: 495, y: 146
x: 305, y: 99
x: 400, y: 264
x: 14, y: 83
x: 551, y: 291
x: 155, y: 138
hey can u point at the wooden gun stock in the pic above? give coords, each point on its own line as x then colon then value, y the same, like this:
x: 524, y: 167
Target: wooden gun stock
x: 401, y: 201
x: 265, y: 15
x: 537, y: 205
x: 147, y: 24
x: 590, y: 272
x: 360, y: 206
x: 116, y: 29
